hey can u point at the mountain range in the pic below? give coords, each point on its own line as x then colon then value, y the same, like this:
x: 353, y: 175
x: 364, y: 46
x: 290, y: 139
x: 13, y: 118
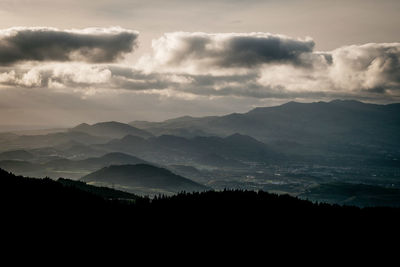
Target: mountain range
x: 336, y: 128
x: 288, y: 148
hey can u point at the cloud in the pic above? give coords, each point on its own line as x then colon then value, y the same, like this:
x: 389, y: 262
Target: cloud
x: 264, y: 65
x: 56, y: 75
x: 364, y: 72
x: 373, y: 67
x: 227, y: 50
x: 93, y: 45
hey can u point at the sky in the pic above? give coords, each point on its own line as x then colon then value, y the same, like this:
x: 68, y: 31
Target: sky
x: 67, y: 62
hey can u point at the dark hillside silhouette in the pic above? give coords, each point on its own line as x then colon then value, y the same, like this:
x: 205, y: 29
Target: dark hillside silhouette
x: 31, y: 200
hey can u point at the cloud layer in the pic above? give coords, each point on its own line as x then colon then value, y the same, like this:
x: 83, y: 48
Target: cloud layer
x: 92, y: 45
x: 194, y: 65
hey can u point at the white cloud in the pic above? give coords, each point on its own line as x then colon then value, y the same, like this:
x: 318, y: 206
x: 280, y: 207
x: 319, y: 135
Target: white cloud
x: 374, y: 67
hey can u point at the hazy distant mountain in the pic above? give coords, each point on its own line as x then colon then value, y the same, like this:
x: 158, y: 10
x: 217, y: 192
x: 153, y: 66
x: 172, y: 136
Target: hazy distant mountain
x: 181, y: 126
x: 49, y: 140
x: 16, y: 155
x: 93, y: 163
x: 19, y: 167
x: 190, y: 172
x: 294, y: 121
x: 142, y: 178
x: 343, y: 127
x: 215, y: 160
x: 168, y: 149
x: 68, y: 168
x: 8, y: 136
x: 111, y: 129
x: 186, y: 126
x: 76, y: 150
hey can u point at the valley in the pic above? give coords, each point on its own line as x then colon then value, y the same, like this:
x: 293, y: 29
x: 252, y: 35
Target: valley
x: 249, y: 151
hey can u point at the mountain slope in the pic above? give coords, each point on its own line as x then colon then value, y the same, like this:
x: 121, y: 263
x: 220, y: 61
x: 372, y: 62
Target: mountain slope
x: 32, y: 195
x: 294, y: 121
x: 169, y: 149
x: 110, y: 129
x: 142, y: 177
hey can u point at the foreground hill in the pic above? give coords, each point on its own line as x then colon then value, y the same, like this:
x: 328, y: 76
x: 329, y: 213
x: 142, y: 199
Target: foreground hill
x: 54, y: 203
x: 104, y: 192
x: 142, y: 178
x: 360, y: 195
x: 19, y: 194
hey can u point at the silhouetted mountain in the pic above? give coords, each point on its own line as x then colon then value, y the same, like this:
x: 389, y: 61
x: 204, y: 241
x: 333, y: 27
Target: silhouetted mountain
x: 28, y: 198
x: 142, y: 178
x: 110, y: 129
x: 41, y: 203
x: 104, y: 192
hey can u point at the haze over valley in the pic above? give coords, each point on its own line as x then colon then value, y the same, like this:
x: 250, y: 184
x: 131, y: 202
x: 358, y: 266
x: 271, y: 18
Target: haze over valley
x: 294, y: 148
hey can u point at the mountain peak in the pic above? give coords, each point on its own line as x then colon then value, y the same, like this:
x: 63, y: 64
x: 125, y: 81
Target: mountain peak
x: 111, y: 129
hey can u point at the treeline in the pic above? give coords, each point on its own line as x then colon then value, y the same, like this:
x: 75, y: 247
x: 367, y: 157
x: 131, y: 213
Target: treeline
x: 31, y: 199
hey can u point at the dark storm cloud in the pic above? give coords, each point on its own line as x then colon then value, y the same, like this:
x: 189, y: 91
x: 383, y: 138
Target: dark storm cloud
x: 248, y: 51
x: 230, y: 50
x: 49, y: 44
